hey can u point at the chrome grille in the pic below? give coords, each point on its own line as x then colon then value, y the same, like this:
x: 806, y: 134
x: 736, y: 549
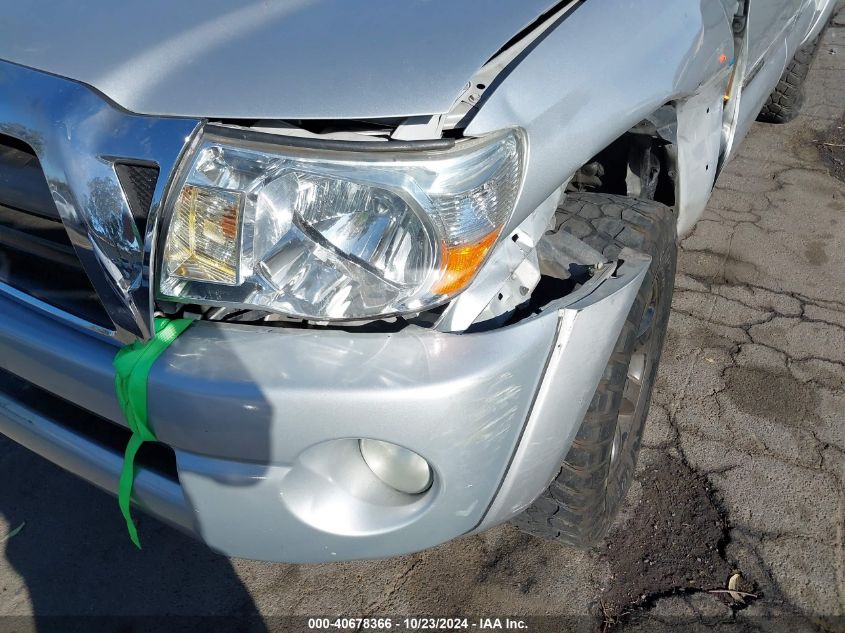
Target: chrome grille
x: 101, y: 166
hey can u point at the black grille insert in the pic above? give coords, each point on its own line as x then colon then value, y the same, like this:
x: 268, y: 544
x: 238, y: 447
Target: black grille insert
x: 139, y: 183
x: 36, y: 255
x: 22, y: 183
x: 152, y: 455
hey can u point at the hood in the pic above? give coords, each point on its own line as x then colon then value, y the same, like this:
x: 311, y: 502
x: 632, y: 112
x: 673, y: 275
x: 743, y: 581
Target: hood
x: 277, y: 59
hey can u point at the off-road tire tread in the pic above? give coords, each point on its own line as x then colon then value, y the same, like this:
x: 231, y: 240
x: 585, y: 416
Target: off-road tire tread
x: 585, y: 495
x: 785, y: 102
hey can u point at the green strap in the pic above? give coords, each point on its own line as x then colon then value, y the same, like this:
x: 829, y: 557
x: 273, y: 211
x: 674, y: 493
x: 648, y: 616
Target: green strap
x: 132, y: 366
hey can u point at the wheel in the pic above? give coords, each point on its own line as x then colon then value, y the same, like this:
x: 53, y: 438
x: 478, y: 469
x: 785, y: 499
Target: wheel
x: 785, y: 102
x: 581, y: 501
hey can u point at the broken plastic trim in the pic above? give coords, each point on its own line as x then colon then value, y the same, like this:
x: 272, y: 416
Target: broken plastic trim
x: 328, y: 144
x: 570, y: 270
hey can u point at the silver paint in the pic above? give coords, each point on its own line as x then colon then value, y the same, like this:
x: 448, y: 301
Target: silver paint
x: 262, y: 419
x: 265, y: 421
x: 266, y: 58
x: 769, y: 70
x: 295, y: 495
x: 572, y: 104
x: 699, y: 147
x: 589, y: 327
x: 92, y: 462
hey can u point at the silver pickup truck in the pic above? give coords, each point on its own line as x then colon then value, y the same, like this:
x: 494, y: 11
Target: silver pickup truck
x: 426, y: 249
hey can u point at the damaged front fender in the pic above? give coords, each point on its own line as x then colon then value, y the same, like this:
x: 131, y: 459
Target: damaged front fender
x: 607, y: 66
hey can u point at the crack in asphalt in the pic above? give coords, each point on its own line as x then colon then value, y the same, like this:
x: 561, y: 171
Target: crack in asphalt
x: 780, y: 353
x: 743, y: 429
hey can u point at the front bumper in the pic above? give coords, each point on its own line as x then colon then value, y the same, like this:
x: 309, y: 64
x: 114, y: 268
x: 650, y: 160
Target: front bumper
x: 264, y: 421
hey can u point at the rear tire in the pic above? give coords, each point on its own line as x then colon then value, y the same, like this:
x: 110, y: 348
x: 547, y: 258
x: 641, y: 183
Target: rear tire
x: 585, y: 495
x: 784, y: 104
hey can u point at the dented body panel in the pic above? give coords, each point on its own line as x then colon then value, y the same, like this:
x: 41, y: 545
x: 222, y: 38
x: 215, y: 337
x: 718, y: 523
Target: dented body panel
x: 260, y: 421
x: 264, y: 416
x: 680, y: 53
x: 585, y: 104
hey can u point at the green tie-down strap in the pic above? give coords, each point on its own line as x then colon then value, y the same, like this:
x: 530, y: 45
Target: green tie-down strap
x: 132, y: 366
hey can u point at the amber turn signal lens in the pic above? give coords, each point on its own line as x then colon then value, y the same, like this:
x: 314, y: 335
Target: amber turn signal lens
x: 460, y: 263
x: 204, y: 242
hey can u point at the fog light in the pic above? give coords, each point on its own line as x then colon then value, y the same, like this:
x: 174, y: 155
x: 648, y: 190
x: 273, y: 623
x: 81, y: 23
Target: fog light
x: 398, y: 467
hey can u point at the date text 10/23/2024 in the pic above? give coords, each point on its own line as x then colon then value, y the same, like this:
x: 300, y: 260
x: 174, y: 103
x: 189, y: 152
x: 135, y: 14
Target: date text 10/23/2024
x: 416, y: 624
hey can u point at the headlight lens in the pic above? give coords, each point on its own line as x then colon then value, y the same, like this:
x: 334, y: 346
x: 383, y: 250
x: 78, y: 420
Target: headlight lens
x: 330, y: 235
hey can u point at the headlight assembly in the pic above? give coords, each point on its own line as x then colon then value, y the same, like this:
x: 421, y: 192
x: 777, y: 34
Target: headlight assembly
x: 333, y: 235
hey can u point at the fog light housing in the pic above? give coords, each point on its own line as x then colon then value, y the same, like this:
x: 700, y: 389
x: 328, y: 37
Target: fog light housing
x: 398, y: 467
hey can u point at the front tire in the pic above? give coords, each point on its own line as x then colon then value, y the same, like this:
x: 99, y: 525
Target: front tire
x: 581, y: 501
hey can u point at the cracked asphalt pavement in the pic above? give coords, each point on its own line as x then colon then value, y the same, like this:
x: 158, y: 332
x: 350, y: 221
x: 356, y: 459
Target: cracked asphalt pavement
x: 742, y: 470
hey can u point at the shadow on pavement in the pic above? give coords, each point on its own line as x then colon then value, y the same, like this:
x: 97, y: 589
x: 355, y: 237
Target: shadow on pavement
x: 74, y: 558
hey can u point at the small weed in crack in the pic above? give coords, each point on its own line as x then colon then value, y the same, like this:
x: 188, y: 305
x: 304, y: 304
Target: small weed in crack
x: 832, y: 149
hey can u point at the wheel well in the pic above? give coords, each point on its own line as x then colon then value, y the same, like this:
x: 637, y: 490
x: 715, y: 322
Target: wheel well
x: 640, y: 163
